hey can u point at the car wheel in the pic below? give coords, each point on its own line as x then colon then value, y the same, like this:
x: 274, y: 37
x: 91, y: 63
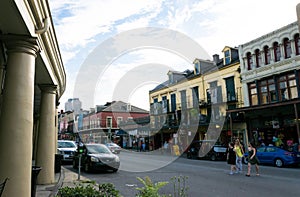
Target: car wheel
x: 87, y: 167
x: 213, y: 157
x: 278, y: 163
x: 115, y: 169
x: 74, y: 164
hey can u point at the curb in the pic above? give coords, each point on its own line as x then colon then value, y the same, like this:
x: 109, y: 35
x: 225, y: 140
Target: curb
x: 59, y: 183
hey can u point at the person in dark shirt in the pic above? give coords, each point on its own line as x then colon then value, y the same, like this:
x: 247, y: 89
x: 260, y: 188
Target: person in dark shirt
x: 231, y: 158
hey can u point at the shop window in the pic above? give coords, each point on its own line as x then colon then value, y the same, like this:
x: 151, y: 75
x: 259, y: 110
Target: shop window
x: 277, y: 52
x: 283, y: 93
x: 293, y: 88
x: 267, y: 91
x: 287, y: 48
x: 287, y: 87
x: 264, y: 94
x: 272, y: 91
x: 253, y: 94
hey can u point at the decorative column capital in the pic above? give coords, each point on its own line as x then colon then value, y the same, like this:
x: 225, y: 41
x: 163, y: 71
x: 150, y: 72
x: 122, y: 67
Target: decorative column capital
x: 20, y: 43
x: 48, y: 88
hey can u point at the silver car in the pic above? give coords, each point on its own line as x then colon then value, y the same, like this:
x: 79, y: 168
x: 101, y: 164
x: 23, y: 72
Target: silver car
x: 114, y: 148
x: 67, y: 149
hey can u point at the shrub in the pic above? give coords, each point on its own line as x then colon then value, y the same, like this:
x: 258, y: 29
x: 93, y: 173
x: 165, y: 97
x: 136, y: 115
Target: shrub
x: 89, y: 190
x: 150, y: 189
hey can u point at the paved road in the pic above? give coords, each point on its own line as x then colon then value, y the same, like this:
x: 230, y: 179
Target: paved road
x: 205, y: 178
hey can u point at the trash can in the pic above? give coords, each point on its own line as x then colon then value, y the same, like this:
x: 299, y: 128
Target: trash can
x: 58, y: 162
x: 34, y: 173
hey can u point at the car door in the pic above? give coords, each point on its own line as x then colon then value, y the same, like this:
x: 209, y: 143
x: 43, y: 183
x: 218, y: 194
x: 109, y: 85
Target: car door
x: 269, y: 154
x: 260, y: 154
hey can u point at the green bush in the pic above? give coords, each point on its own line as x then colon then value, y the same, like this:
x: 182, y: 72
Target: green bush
x: 180, y: 189
x: 89, y: 190
x: 150, y: 189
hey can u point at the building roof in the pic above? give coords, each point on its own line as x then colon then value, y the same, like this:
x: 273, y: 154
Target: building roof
x: 120, y: 106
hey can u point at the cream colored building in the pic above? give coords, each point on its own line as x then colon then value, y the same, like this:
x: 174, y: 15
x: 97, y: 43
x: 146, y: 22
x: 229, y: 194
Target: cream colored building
x: 32, y: 80
x: 191, y: 102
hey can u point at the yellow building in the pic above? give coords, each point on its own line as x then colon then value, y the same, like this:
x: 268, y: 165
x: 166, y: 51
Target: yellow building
x: 193, y: 102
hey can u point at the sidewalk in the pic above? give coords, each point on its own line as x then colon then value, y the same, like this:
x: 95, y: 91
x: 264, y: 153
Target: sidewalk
x: 64, y: 178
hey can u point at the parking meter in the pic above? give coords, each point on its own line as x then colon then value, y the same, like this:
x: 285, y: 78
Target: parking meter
x: 80, y: 149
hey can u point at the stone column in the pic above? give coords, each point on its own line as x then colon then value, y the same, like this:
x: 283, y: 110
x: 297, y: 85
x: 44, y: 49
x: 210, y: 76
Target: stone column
x: 16, y: 118
x: 282, y: 51
x: 46, y: 135
x: 272, y: 59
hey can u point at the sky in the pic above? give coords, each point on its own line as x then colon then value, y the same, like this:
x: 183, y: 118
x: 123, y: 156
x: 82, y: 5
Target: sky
x: 121, y: 49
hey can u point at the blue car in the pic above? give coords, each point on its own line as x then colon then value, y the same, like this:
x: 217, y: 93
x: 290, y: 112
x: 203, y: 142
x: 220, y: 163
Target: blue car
x: 276, y: 156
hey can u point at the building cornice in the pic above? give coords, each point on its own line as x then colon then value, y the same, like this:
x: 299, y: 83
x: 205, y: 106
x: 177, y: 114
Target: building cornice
x: 40, y: 15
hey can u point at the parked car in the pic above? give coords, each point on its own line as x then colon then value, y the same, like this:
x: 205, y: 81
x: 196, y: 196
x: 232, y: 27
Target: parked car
x: 67, y: 149
x: 96, y: 157
x: 206, y: 149
x: 114, y: 148
x: 276, y: 156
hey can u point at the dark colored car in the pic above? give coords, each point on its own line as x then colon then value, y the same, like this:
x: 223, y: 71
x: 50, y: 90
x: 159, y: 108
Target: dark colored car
x: 276, y: 156
x: 96, y: 157
x: 206, y: 149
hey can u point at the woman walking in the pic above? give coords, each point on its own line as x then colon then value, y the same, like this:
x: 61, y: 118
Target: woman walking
x: 231, y: 158
x: 239, y: 151
x: 252, y: 160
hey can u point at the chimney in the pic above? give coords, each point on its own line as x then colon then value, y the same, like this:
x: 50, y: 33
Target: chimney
x: 216, y: 58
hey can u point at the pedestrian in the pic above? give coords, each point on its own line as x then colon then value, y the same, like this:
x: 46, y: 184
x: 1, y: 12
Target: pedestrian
x: 143, y: 146
x: 231, y: 158
x: 252, y: 160
x: 239, y: 151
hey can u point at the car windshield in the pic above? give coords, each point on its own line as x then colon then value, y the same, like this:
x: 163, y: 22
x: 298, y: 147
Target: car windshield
x: 66, y: 145
x: 94, y: 149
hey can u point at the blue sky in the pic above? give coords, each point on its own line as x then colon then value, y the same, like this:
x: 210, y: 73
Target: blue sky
x: 82, y: 26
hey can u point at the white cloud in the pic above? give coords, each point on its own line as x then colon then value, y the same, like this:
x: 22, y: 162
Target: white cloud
x: 80, y: 25
x: 235, y: 22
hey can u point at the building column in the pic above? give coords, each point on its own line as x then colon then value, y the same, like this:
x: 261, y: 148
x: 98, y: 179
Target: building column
x: 272, y: 59
x: 16, y: 118
x: 282, y: 51
x: 46, y: 135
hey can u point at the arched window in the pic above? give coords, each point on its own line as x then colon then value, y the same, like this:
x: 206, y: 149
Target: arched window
x: 277, y: 53
x: 287, y: 48
x: 249, y: 60
x: 267, y: 55
x: 297, y: 44
x: 257, y: 58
